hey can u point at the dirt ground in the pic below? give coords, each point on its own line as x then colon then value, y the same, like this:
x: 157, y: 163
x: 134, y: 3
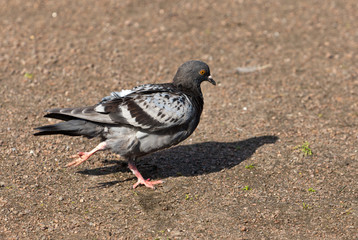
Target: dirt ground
x: 275, y: 153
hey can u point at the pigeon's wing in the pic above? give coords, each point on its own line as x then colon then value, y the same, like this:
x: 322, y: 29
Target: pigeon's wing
x: 151, y: 109
x: 146, y: 88
x: 86, y: 113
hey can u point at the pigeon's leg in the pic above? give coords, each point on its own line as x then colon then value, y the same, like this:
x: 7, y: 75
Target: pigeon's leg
x: 83, y: 156
x: 141, y: 180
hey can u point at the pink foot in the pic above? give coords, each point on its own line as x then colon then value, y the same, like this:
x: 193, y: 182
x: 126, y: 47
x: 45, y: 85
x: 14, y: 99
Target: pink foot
x: 147, y: 183
x: 81, y: 157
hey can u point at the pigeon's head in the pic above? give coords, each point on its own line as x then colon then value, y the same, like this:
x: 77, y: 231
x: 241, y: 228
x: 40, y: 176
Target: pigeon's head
x: 191, y: 74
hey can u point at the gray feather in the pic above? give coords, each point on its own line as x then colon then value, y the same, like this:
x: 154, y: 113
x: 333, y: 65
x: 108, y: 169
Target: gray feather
x: 72, y: 128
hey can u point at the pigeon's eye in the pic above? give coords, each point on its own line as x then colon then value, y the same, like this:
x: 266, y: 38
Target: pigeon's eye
x: 202, y: 72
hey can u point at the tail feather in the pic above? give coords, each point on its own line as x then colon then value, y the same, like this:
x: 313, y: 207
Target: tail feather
x: 59, y: 116
x: 76, y: 127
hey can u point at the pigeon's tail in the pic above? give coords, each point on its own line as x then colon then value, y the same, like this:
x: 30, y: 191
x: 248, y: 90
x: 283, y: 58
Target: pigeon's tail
x: 75, y: 127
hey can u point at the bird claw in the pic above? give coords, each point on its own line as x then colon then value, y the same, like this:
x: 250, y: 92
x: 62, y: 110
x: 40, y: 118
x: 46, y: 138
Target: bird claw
x: 80, y: 158
x: 79, y: 154
x: 147, y: 183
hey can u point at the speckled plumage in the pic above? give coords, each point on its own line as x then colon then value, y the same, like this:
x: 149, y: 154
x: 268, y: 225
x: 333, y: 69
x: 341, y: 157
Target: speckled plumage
x: 139, y: 121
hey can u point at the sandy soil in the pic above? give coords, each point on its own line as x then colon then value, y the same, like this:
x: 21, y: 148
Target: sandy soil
x: 246, y: 172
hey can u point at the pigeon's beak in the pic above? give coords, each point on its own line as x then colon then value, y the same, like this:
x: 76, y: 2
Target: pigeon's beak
x: 211, y: 80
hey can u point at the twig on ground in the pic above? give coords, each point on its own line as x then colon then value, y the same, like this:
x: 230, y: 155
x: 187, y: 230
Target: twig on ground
x: 251, y: 69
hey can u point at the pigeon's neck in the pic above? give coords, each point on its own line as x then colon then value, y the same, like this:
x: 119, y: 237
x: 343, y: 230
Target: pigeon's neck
x: 192, y: 92
x: 188, y: 88
x: 198, y: 101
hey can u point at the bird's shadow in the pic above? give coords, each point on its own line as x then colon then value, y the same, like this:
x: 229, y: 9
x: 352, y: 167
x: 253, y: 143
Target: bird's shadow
x: 188, y: 160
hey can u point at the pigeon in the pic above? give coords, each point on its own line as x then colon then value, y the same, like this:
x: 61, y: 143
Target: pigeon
x: 140, y: 121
